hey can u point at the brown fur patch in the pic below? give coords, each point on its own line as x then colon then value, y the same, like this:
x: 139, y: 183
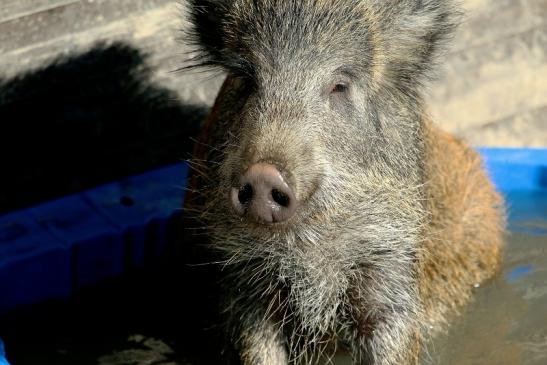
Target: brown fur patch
x: 462, y: 245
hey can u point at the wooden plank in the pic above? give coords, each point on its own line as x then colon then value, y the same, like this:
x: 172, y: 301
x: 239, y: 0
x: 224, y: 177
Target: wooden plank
x: 492, y: 82
x: 486, y: 21
x: 527, y: 128
x: 156, y: 23
x: 493, y: 89
x: 13, y: 9
x: 154, y: 32
x: 73, y: 18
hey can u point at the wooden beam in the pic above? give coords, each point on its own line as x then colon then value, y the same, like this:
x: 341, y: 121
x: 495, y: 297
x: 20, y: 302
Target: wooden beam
x: 13, y: 9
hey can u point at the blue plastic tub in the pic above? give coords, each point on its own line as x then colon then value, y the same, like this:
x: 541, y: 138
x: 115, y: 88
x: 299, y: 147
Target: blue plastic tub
x: 49, y: 250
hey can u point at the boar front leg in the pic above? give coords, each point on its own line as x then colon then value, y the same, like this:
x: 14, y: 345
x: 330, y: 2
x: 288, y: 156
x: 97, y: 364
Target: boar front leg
x: 391, y: 343
x: 261, y: 342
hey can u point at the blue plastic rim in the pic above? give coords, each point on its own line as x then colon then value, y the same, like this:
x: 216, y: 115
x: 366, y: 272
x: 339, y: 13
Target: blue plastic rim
x: 3, y: 360
x: 49, y: 250
x: 513, y: 169
x: 520, y: 174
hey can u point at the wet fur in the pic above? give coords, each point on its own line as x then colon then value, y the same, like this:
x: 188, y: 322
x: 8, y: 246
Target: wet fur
x: 397, y: 219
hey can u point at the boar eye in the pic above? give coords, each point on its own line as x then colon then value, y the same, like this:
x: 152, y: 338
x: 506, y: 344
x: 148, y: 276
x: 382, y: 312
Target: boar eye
x: 339, y: 87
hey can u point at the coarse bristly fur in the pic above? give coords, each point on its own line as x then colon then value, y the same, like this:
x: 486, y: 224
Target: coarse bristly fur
x: 396, y: 220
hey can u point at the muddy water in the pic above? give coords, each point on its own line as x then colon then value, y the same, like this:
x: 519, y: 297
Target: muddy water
x: 506, y: 324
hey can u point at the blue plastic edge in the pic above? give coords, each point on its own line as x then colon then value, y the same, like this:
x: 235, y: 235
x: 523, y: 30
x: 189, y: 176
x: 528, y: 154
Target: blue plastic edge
x: 3, y: 360
x: 34, y: 265
x: 95, y: 246
x: 50, y: 249
x: 512, y: 169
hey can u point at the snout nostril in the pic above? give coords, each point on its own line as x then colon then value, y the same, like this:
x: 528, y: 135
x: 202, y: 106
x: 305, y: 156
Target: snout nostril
x: 262, y: 195
x: 281, y: 198
x: 245, y: 194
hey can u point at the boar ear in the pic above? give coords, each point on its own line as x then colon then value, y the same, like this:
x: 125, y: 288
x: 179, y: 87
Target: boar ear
x: 206, y: 18
x: 417, y: 37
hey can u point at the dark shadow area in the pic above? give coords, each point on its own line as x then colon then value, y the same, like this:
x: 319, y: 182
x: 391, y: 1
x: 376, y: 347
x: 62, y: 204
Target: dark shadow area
x: 86, y: 120
x: 172, y: 300
x: 79, y: 122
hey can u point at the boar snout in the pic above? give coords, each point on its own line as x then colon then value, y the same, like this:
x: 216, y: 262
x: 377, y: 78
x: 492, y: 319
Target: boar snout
x: 263, y: 195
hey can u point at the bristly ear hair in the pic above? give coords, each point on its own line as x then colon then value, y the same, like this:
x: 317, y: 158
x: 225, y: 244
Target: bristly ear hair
x: 208, y: 36
x: 205, y: 32
x: 415, y: 38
